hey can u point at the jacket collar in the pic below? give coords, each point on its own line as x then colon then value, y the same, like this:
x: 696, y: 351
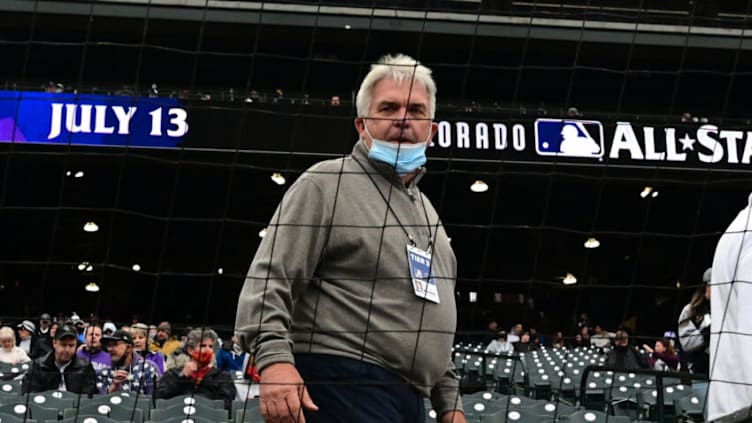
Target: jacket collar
x: 360, y: 152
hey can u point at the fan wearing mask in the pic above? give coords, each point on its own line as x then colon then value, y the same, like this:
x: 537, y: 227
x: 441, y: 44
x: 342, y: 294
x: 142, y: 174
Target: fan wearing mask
x: 198, y: 376
x: 129, y: 371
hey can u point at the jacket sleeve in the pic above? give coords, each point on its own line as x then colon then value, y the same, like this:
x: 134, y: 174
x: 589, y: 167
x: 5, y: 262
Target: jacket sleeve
x: 89, y: 380
x: 286, y: 258
x: 172, y: 385
x: 445, y: 395
x: 226, y: 391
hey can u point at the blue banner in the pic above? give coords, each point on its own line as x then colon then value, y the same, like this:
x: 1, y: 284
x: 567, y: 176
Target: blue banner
x: 87, y: 119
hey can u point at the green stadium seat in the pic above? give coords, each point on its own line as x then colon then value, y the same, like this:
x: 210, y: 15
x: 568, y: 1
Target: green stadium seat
x: 9, y: 418
x: 90, y: 418
x: 31, y: 411
x: 196, y: 400
x: 186, y: 411
x: 590, y: 416
x: 114, y: 412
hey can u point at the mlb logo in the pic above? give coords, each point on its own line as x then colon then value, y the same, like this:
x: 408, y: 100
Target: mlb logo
x: 569, y: 138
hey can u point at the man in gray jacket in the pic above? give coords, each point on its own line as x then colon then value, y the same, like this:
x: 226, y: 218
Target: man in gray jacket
x: 348, y: 307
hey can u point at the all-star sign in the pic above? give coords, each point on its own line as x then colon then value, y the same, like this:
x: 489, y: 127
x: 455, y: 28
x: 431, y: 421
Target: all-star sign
x: 583, y: 141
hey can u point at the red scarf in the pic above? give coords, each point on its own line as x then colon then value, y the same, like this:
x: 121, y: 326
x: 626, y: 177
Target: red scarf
x: 203, y: 359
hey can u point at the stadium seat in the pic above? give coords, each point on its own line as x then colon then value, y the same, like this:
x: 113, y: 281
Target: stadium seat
x: 53, y: 399
x: 9, y: 418
x: 32, y: 411
x: 89, y: 418
x: 248, y: 411
x: 122, y: 399
x: 195, y: 400
x: 589, y: 416
x: 10, y: 387
x: 186, y: 411
x: 689, y: 408
x: 182, y: 419
x: 551, y: 409
x: 114, y: 412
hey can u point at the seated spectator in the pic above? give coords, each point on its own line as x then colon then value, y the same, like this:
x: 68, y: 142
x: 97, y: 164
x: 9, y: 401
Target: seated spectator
x: 601, y: 338
x: 515, y: 333
x: 139, y: 332
x: 623, y: 355
x: 585, y: 334
x: 164, y: 342
x: 10, y: 353
x: 108, y: 328
x: 663, y: 356
x: 198, y: 376
x: 500, y: 345
x: 80, y: 329
x: 129, y: 371
x: 579, y: 342
x: 92, y: 349
x: 34, y: 346
x: 44, y: 325
x: 335, y: 101
x: 525, y: 345
x: 61, y: 368
x: 559, y: 341
x: 231, y: 356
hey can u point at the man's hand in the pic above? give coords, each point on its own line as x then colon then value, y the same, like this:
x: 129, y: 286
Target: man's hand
x: 647, y: 348
x: 283, y: 394
x: 453, y: 416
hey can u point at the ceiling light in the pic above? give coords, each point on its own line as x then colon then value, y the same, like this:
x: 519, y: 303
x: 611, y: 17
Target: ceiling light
x: 592, y: 243
x: 646, y: 191
x: 79, y: 174
x: 89, y: 268
x: 82, y: 266
x: 569, y: 279
x: 479, y: 186
x: 220, y: 270
x: 92, y: 287
x: 348, y: 27
x: 136, y: 267
x: 262, y: 233
x: 278, y: 178
x: 655, y: 194
x: 678, y: 284
x: 91, y: 227
x: 68, y: 173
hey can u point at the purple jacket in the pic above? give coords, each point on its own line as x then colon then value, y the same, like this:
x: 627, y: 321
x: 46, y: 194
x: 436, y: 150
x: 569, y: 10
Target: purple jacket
x: 99, y: 360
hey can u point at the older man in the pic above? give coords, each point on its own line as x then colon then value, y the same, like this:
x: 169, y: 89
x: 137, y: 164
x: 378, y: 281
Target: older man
x: 351, y: 292
x: 129, y: 371
x: 32, y: 344
x: 61, y: 369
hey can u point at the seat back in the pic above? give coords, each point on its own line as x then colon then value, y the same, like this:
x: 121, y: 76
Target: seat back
x: 114, y: 412
x: 195, y: 400
x: 188, y: 411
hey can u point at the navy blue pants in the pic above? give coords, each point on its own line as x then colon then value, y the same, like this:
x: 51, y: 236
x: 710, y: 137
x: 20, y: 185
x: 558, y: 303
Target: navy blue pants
x: 347, y: 391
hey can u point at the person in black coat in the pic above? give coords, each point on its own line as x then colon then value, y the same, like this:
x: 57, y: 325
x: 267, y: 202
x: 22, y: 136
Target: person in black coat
x: 623, y: 355
x: 35, y: 346
x: 198, y: 376
x: 61, y: 369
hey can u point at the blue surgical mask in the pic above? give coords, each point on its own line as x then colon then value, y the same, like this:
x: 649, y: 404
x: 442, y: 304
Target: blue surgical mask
x: 404, y: 157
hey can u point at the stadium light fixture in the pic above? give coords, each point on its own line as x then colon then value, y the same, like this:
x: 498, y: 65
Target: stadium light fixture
x: 89, y: 268
x: 278, y: 178
x: 136, y: 267
x: 262, y: 233
x: 592, y: 243
x: 654, y: 194
x: 68, y: 173
x: 92, y: 287
x: 348, y: 27
x: 91, y: 227
x: 646, y: 191
x: 79, y: 174
x: 569, y: 279
x: 83, y: 265
x: 220, y: 270
x: 473, y: 297
x: 479, y: 186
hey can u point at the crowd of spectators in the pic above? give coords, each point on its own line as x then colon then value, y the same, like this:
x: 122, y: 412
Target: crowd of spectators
x: 93, y: 358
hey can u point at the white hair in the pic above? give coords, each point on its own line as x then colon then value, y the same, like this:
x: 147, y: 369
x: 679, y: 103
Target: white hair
x: 7, y: 333
x: 400, y: 68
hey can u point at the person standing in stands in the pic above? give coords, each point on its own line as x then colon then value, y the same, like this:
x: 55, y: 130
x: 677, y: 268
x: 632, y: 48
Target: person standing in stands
x: 61, y: 369
x: 694, y: 328
x: 92, y: 349
x: 198, y: 376
x: 354, y: 280
x: 129, y: 371
x: 730, y: 388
